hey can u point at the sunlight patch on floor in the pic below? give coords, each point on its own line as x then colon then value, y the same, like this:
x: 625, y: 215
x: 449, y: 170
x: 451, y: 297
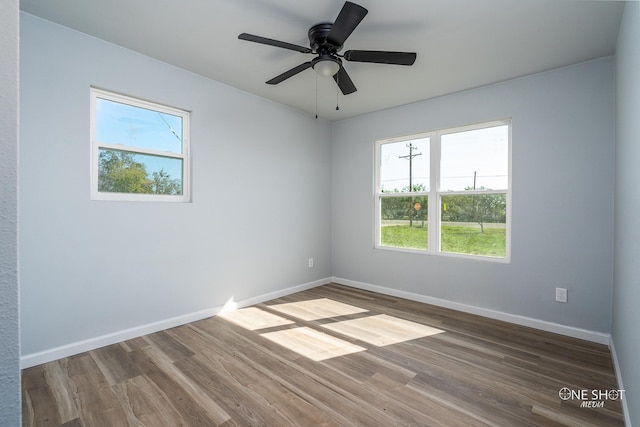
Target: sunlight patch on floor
x: 253, y: 318
x: 315, y: 309
x: 312, y: 344
x: 381, y: 330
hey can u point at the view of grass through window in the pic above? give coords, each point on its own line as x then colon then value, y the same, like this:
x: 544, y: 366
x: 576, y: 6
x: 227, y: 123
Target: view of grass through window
x: 463, y: 239
x: 474, y: 224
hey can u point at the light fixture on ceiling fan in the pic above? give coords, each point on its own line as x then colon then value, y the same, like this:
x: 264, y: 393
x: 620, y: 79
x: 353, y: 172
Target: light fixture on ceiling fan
x: 326, y: 66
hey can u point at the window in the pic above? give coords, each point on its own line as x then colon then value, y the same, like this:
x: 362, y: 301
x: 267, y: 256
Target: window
x: 446, y: 192
x: 139, y: 150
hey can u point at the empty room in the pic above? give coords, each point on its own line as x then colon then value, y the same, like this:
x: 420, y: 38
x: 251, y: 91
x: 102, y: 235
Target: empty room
x: 278, y: 212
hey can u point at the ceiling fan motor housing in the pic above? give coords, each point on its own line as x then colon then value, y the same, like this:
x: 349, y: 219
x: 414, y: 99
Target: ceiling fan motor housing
x: 318, y: 39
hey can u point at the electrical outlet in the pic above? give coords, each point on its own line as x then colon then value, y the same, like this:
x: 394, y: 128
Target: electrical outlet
x: 561, y: 295
x: 310, y: 262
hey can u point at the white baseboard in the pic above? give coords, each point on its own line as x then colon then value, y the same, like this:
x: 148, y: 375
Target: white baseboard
x: 616, y: 369
x: 597, y: 337
x: 45, y: 356
x: 33, y: 359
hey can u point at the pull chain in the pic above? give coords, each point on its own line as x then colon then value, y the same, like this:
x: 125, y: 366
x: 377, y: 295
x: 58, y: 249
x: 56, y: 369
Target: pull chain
x: 337, y: 86
x: 316, y: 95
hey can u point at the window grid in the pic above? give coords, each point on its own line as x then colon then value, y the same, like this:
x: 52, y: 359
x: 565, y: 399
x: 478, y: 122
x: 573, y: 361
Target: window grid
x: 435, y: 194
x: 98, y: 145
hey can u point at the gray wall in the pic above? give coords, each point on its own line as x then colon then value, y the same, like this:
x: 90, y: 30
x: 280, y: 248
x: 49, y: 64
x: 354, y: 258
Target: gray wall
x: 563, y: 181
x: 261, y: 197
x: 626, y: 289
x: 9, y: 319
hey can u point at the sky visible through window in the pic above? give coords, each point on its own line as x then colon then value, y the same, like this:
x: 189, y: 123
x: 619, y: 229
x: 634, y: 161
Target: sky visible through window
x: 394, y: 165
x: 479, y: 155
x: 139, y: 128
x: 476, y: 159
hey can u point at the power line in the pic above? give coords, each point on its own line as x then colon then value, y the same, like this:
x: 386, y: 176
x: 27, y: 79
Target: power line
x: 410, y: 157
x: 170, y: 128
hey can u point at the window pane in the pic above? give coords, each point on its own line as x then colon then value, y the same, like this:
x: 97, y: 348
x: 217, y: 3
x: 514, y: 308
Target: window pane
x: 475, y: 160
x: 474, y: 224
x: 402, y: 163
x: 126, y: 172
x: 118, y: 123
x: 403, y: 222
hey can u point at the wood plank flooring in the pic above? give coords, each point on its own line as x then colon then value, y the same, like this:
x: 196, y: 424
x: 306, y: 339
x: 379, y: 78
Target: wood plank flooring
x: 329, y: 356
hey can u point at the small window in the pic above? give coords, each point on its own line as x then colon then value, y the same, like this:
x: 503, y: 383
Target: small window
x: 140, y: 150
x: 446, y: 192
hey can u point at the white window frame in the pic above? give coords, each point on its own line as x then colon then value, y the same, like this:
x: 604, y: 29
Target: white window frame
x: 185, y: 197
x: 435, y: 195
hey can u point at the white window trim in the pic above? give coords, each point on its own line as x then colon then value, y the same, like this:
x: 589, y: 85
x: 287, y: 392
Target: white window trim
x: 434, y: 194
x: 185, y: 197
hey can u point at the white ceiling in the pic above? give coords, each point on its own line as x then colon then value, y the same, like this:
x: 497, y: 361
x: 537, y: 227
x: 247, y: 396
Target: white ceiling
x: 460, y: 44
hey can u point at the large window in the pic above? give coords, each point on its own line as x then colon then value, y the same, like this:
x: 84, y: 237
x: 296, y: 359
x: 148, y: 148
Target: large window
x: 139, y: 149
x: 446, y: 192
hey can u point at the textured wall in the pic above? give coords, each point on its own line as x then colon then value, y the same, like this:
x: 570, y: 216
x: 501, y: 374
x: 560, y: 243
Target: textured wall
x: 626, y: 294
x: 9, y: 329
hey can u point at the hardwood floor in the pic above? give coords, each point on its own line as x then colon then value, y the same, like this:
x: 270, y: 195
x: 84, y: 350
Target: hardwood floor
x: 329, y: 356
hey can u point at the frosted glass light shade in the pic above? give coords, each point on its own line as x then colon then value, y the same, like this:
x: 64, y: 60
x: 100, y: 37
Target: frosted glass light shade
x: 326, y: 67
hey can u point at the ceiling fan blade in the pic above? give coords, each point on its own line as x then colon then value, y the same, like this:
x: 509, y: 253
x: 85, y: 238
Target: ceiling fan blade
x: 344, y: 81
x: 348, y: 19
x: 380, y: 57
x: 292, y: 72
x: 272, y: 42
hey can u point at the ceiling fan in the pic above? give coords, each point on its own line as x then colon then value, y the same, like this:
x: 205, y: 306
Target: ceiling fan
x: 326, y: 40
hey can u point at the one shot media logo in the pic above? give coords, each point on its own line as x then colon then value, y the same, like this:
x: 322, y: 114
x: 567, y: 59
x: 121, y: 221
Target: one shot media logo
x: 590, y: 398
